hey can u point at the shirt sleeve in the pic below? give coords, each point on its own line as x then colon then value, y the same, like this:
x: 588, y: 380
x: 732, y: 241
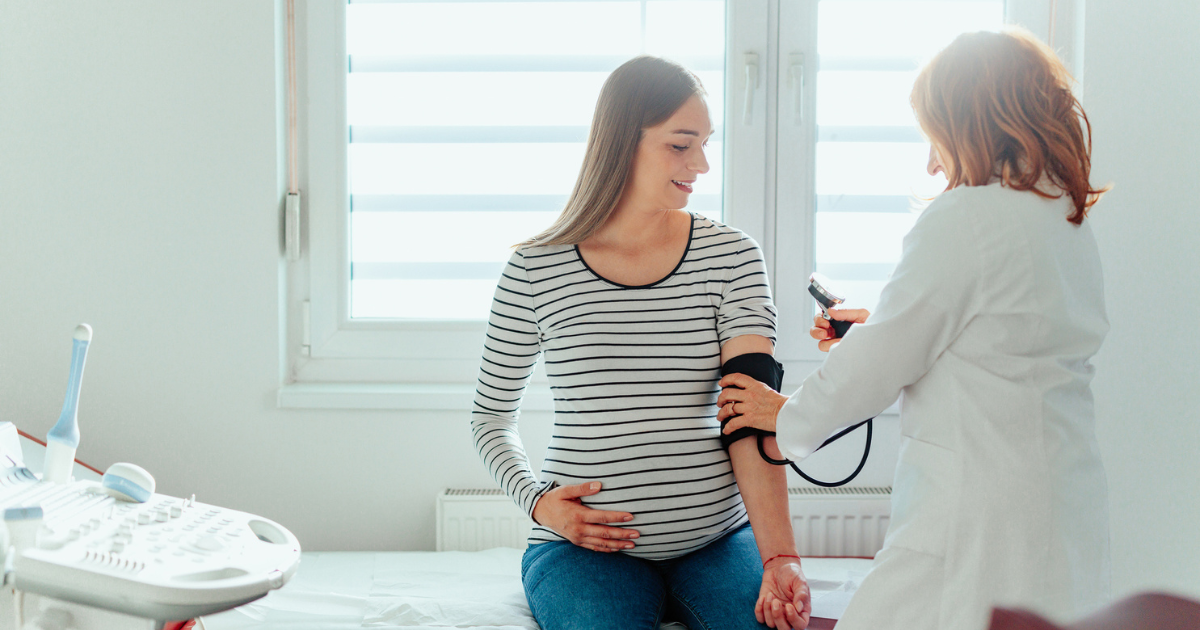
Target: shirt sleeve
x: 746, y: 306
x: 931, y: 297
x: 510, y: 352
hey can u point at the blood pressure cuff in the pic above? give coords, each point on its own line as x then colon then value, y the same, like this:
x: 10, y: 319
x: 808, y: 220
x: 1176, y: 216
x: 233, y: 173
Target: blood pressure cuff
x: 761, y: 367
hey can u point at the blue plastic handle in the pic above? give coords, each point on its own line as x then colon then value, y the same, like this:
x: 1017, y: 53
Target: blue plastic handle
x: 66, y: 430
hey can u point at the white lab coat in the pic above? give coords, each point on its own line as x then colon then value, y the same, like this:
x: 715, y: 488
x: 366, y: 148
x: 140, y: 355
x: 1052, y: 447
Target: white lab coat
x: 985, y: 332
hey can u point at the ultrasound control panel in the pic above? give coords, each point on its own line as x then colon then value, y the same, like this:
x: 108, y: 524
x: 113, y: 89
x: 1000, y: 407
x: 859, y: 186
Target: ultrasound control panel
x: 165, y: 558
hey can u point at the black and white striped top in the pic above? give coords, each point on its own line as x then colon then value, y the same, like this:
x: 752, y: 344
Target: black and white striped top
x: 634, y: 373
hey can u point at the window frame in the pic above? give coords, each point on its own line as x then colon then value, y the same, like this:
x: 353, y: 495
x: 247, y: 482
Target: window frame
x: 795, y: 197
x: 329, y: 360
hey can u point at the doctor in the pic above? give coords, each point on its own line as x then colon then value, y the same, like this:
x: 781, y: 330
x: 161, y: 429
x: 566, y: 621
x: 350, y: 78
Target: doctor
x: 985, y: 332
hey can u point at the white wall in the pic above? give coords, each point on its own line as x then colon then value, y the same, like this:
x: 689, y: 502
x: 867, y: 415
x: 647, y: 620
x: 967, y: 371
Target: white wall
x: 140, y: 180
x: 139, y: 191
x: 1142, y: 92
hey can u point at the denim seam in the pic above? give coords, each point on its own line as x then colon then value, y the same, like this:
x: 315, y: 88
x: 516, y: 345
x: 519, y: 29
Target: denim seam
x: 692, y: 609
x: 662, y: 608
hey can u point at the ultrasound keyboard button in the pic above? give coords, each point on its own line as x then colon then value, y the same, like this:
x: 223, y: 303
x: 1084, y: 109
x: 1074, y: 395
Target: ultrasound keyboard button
x: 210, y: 543
x: 52, y: 542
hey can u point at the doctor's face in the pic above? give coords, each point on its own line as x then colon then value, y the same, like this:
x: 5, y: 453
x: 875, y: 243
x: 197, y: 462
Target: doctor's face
x: 935, y: 162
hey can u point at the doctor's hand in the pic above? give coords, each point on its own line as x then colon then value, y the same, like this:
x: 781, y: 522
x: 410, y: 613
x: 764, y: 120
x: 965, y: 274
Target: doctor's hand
x: 749, y: 402
x: 784, y: 601
x: 823, y: 330
x: 562, y: 511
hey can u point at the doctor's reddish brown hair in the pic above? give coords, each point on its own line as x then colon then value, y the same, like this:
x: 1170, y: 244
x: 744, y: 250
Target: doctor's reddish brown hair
x: 999, y: 105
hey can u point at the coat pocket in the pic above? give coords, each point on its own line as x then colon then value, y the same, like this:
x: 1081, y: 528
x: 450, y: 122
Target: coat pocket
x: 924, y: 497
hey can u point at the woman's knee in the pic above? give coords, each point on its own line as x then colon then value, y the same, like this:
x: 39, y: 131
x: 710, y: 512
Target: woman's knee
x: 717, y: 587
x: 571, y: 588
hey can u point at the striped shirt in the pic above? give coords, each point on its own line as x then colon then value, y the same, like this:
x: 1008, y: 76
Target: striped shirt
x: 634, y: 374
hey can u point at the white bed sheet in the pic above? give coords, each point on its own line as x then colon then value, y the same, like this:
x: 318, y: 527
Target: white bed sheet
x: 451, y: 589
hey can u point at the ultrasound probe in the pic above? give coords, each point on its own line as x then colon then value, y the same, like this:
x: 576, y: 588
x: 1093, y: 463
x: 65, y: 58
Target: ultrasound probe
x: 63, y: 439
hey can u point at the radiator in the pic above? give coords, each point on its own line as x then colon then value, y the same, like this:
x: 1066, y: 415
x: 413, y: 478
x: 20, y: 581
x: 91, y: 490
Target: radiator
x: 472, y: 520
x: 826, y: 521
x: 840, y: 521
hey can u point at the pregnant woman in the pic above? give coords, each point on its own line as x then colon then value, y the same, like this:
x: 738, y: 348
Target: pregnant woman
x: 634, y: 303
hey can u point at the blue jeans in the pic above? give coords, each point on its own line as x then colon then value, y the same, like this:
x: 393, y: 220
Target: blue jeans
x: 713, y: 588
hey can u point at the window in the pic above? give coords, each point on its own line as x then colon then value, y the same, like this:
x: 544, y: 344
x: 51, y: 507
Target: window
x: 478, y: 132
x: 436, y: 134
x: 870, y: 155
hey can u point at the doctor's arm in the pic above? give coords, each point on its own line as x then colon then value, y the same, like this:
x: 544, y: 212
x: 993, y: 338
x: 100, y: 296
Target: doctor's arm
x: 933, y: 294
x: 759, y: 405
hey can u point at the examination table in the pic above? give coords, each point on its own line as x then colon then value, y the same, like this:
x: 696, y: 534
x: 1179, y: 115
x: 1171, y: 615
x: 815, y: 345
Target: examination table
x: 424, y: 590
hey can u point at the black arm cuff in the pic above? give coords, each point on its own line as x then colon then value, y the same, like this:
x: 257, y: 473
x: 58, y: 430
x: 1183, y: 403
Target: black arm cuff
x: 761, y: 367
x: 742, y: 433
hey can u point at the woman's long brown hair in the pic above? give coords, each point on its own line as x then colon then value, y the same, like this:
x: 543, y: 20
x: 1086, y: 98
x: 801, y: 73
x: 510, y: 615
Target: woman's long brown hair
x: 642, y: 93
x: 999, y: 105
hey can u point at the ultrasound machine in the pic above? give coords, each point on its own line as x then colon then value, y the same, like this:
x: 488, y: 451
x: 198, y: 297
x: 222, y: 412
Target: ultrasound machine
x: 113, y: 554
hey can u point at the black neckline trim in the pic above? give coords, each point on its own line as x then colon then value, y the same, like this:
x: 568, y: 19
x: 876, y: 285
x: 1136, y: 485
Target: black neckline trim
x: 686, y: 250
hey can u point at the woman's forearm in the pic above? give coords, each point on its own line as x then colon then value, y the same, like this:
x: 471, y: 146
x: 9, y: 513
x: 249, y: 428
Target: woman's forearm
x: 764, y: 492
x: 763, y: 485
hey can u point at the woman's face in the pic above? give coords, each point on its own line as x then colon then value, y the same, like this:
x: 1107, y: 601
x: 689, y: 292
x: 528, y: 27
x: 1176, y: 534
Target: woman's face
x: 670, y: 157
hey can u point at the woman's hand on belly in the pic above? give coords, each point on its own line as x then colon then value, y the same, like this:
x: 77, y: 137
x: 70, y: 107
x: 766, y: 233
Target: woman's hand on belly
x: 562, y: 511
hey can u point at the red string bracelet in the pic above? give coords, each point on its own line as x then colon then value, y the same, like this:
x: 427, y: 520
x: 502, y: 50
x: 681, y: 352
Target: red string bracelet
x: 782, y: 555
